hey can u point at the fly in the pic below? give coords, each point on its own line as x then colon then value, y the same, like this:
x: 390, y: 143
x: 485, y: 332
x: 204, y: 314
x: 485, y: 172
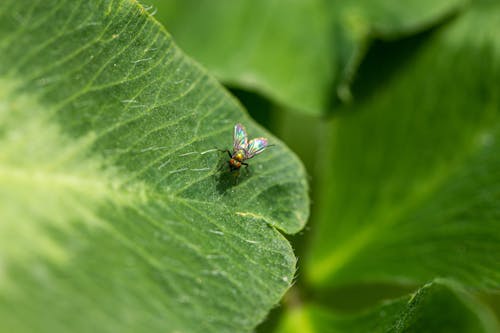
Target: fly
x: 243, y: 149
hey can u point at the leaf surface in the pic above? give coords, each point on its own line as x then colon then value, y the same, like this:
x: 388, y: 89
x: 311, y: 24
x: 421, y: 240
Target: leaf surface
x: 114, y: 215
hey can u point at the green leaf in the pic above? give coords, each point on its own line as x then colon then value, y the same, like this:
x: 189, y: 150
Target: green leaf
x: 300, y: 53
x: 359, y: 22
x: 114, y: 216
x: 412, y: 183
x: 440, y: 306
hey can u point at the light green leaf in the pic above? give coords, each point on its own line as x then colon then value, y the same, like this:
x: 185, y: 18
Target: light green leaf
x: 440, y: 306
x: 114, y: 216
x: 412, y: 184
x: 300, y: 53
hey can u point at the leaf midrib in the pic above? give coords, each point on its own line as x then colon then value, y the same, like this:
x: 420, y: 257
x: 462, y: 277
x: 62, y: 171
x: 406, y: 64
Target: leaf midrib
x: 77, y: 183
x: 50, y: 179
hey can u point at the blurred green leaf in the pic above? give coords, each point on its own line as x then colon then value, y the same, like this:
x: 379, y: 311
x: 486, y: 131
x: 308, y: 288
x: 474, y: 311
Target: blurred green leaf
x: 113, y: 214
x: 437, y: 307
x: 300, y: 53
x: 411, y: 181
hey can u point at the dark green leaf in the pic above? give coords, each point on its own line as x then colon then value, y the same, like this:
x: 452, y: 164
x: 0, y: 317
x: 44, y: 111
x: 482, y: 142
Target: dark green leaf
x: 412, y: 183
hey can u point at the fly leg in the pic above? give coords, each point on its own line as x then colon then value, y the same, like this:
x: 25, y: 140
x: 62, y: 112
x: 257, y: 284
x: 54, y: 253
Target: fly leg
x: 225, y: 151
x: 246, y: 168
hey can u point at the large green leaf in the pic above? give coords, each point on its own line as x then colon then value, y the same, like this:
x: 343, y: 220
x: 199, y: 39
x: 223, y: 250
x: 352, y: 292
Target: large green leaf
x: 412, y: 184
x: 295, y: 52
x: 440, y: 306
x: 113, y: 214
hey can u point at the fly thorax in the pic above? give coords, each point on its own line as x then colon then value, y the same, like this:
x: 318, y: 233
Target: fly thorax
x: 239, y: 155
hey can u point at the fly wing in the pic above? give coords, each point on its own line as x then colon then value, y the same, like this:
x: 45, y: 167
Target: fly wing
x: 240, y: 140
x: 256, y: 146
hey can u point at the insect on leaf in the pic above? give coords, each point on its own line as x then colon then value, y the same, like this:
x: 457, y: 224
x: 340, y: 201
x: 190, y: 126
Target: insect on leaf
x: 112, y: 217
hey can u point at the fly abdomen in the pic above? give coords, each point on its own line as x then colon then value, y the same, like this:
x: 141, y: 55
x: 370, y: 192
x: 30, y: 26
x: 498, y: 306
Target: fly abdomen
x: 235, y: 164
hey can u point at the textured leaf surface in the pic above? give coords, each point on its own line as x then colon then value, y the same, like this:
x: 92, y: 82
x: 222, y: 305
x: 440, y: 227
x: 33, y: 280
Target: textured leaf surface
x: 292, y: 51
x: 436, y: 307
x: 113, y: 215
x: 413, y: 171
